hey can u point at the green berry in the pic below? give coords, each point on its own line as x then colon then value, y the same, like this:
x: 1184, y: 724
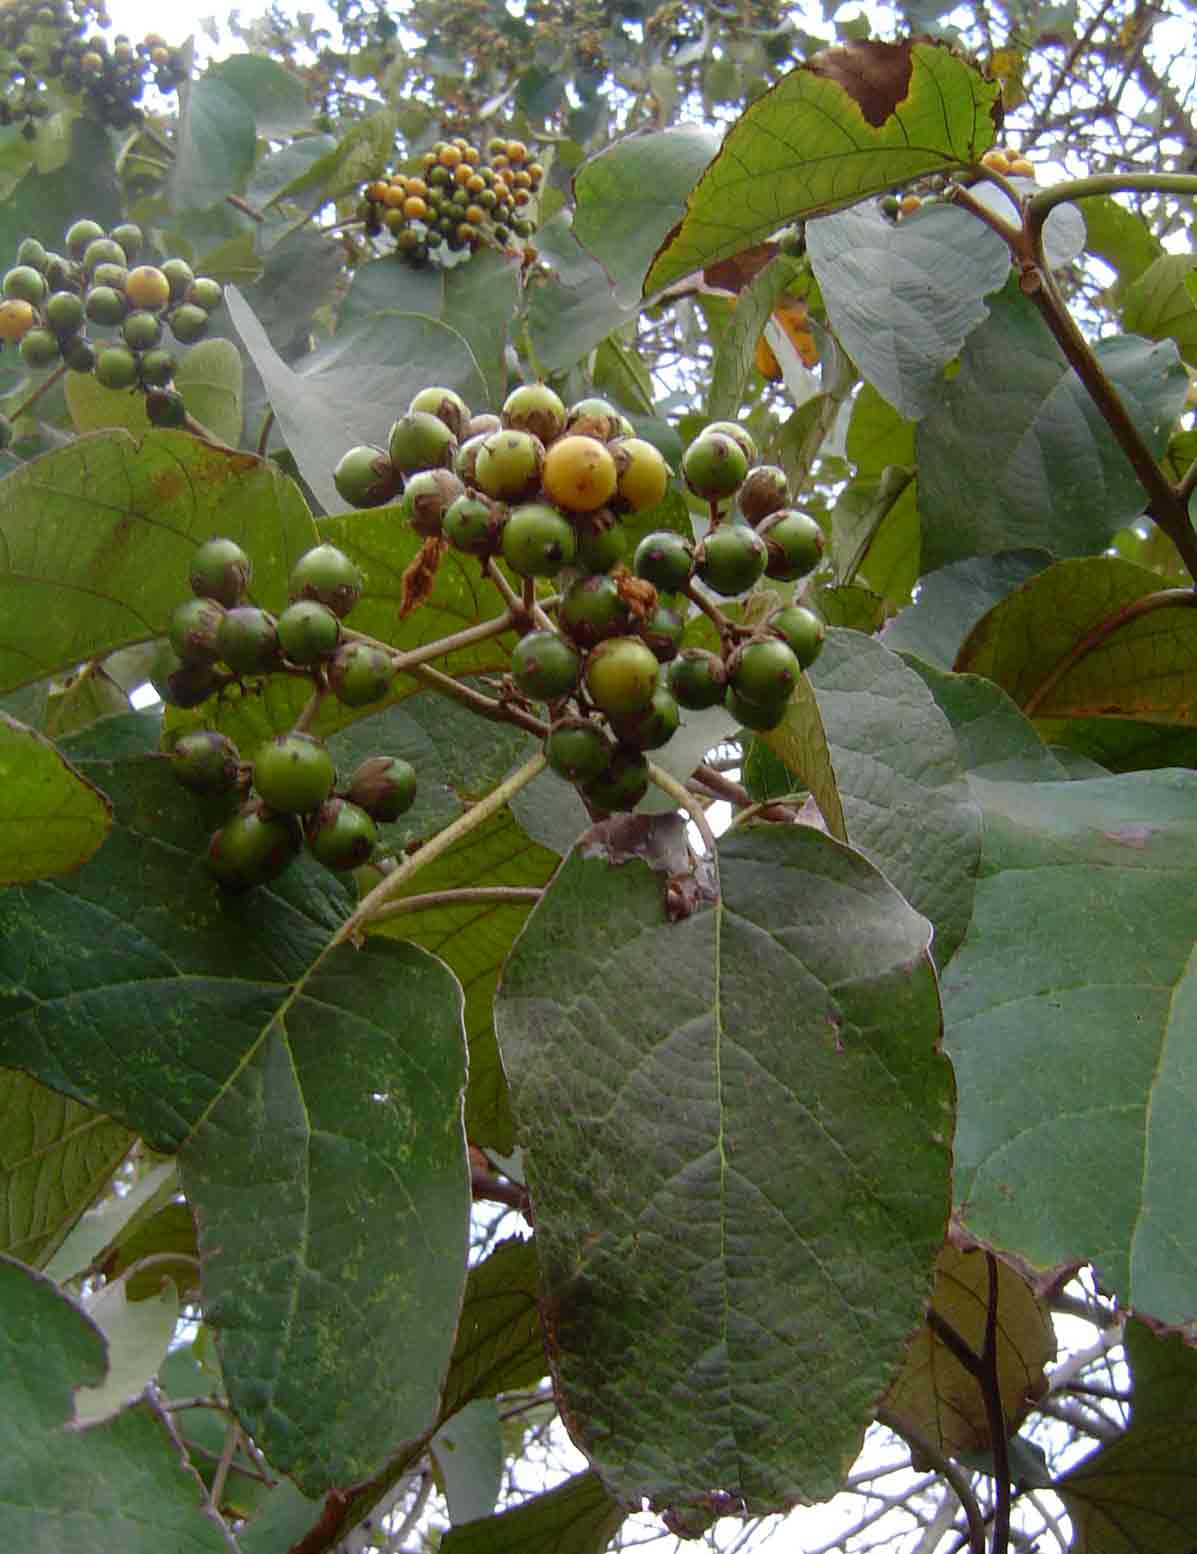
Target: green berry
x: 147, y: 287
x: 384, y: 786
x: 105, y: 305
x: 360, y: 674
x: 131, y: 238
x: 731, y: 559
x: 801, y: 630
x: 25, y: 284
x: 764, y: 673
x: 116, y: 367
x: 308, y: 631
x: 662, y: 629
x: 156, y: 368
x: 474, y: 525
x: 102, y: 250
x: 508, y: 464
x: 446, y: 405
x: 750, y: 715
x: 30, y: 251
x: 220, y: 570
x: 179, y: 276
x: 622, y: 674
x: 205, y: 293
x: 622, y: 784
x: 538, y: 541
x: 602, y: 541
x: 40, y: 348
x: 165, y: 407
x: 253, y: 848
x: 738, y: 435
x: 765, y: 490
x: 593, y: 608
x: 64, y: 312
x: 6, y: 432
x: 544, y: 666
x: 365, y: 477
x: 188, y: 323
x: 419, y: 440
x: 194, y: 630
x: 341, y: 835
x: 329, y: 576
x: 594, y: 417
x: 190, y: 685
x: 664, y: 559
x: 114, y: 275
x: 206, y: 762
x: 535, y: 408
x: 80, y: 235
x: 141, y: 331
x: 714, y: 466
x: 294, y: 773
x: 427, y: 496
x: 697, y: 678
x: 248, y: 641
x: 652, y: 728
x: 577, y: 749
x: 79, y: 354
x: 795, y: 544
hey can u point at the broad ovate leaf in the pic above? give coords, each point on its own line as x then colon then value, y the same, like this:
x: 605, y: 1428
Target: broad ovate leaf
x: 51, y: 818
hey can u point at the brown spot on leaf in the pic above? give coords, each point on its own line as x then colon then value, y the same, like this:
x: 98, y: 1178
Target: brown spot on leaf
x: 741, y: 269
x: 875, y: 75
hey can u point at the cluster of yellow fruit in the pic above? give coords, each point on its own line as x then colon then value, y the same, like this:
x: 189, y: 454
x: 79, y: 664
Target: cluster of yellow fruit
x: 456, y: 202
x: 1009, y: 162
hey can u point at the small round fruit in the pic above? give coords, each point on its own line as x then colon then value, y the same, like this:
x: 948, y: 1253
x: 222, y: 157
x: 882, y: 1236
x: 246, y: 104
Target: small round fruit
x: 341, y: 835
x: 474, y: 525
x: 40, y: 348
x: 654, y: 727
x: 594, y: 417
x: 80, y: 235
x: 664, y: 559
x: 593, y: 608
x: 538, y: 541
x: 365, y: 477
x: 419, y: 440
x: 16, y: 320
x: 621, y: 675
x: 446, y: 405
x: 105, y: 305
x: 205, y: 293
x: 427, y: 496
x: 308, y: 631
x: 579, y: 474
x: 602, y: 541
x: 30, y: 251
x: 662, y: 629
x: 188, y: 323
x: 750, y: 715
x: 294, y: 773
x: 736, y: 432
x: 190, y: 685
x: 714, y: 466
x: 465, y: 460
x: 507, y: 466
x: 764, y: 673
x: 114, y: 275
x: 102, y: 250
x: 642, y: 475
x: 147, y: 287
x: 194, y: 630
x: 795, y: 544
x: 116, y: 367
x: 544, y: 666
x: 329, y: 576
x: 179, y: 276
x: 731, y: 559
x: 220, y: 570
x: 79, y: 354
x: 64, y: 312
x: 621, y: 785
x: 206, y: 762
x: 577, y: 749
x: 24, y: 284
x: 131, y: 238
x: 360, y: 674
x: 535, y: 408
x: 802, y: 631
x: 253, y: 848
x: 765, y: 491
x: 142, y: 330
x: 156, y: 369
x: 697, y: 678
x: 165, y: 407
x: 384, y: 786
x: 484, y: 424
x: 248, y: 640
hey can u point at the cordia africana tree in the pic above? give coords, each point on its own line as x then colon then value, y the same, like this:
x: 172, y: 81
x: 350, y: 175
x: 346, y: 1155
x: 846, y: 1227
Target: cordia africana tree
x: 407, y: 891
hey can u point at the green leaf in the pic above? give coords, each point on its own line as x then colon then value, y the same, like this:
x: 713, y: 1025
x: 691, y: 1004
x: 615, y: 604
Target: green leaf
x: 620, y: 373
x: 280, y: 169
x: 904, y: 797
x: 578, y: 1517
x: 82, y: 698
x: 56, y: 1156
x: 137, y: 1334
x: 876, y: 536
x: 481, y: 298
x: 499, y: 1345
x: 1119, y: 236
x: 52, y: 820
x: 733, y: 364
x: 468, y: 1450
x: 314, y: 1095
x: 848, y: 123
x: 354, y: 389
x: 1043, y: 470
x: 711, y: 1110
x: 859, y: 609
x: 993, y: 738
x: 214, y: 145
x: 276, y: 96
x: 44, y: 205
x: 286, y: 1516
x: 98, y: 538
x: 210, y: 380
x: 107, y: 1222
x: 573, y: 306
x: 1047, y: 1165
x: 952, y: 601
x: 800, y: 742
x: 1159, y: 304
x: 903, y: 297
x: 1138, y: 1495
x: 361, y: 153
x: 630, y: 195
x: 119, y: 1484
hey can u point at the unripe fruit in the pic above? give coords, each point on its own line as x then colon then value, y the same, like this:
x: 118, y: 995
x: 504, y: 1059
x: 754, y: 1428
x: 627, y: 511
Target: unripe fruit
x: 80, y: 235
x: 507, y: 466
x: 642, y: 475
x: 465, y: 460
x: 308, y: 631
x: 474, y: 525
x: 654, y: 727
x: 731, y: 559
x: 16, y: 320
x: 156, y: 368
x: 294, y: 773
x: 188, y: 323
x: 419, y: 440
x: 341, y: 835
x: 114, y: 275
x: 147, y: 287
x: 190, y: 685
x: 248, y: 641
x: 538, y: 541
x: 165, y: 407
x: 544, y: 666
x: 328, y: 576
x: 662, y: 630
x: 24, y: 284
x: 102, y: 250
x: 594, y: 417
x: 253, y: 848
x: 205, y: 293
x: 40, y: 348
x: 179, y: 276
x: 621, y: 675
x: 738, y: 435
x: 664, y: 559
x: 714, y: 466
x: 621, y: 785
x: 131, y: 238
x: 697, y: 678
x: 116, y: 367
x: 482, y: 425
x: 747, y: 713
x: 360, y: 674
x: 206, y: 762
x: 141, y: 331
x: 220, y: 570
x: 194, y: 630
x: 79, y: 354
x: 64, y: 312
x: 30, y: 251
x: 427, y: 496
x: 384, y: 786
x: 795, y: 544
x: 801, y: 630
x: 577, y: 749
x: 365, y: 477
x: 594, y: 608
x: 446, y: 405
x: 764, y: 673
x: 765, y: 491
x: 602, y: 541
x: 535, y: 408
x: 105, y: 305
x: 579, y: 474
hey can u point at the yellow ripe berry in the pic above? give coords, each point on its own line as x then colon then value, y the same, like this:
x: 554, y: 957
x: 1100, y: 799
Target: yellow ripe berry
x: 462, y: 174
x: 466, y: 233
x: 520, y: 197
x: 643, y: 475
x: 517, y: 151
x: 393, y: 197
x: 1020, y: 167
x: 535, y: 172
x: 429, y: 159
x: 16, y: 320
x: 476, y: 214
x: 147, y: 287
x: 474, y: 184
x: 579, y: 474
x: 521, y: 179
x: 996, y: 160
x: 417, y: 186
x: 499, y: 162
x: 377, y: 191
x: 471, y: 154
x: 908, y: 204
x: 449, y: 156
x: 414, y: 208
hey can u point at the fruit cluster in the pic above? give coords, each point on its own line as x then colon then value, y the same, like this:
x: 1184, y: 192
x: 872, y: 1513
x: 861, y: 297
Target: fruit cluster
x: 59, y: 42
x: 50, y: 300
x: 544, y: 489
x: 1009, y: 161
x: 457, y: 202
x: 288, y: 794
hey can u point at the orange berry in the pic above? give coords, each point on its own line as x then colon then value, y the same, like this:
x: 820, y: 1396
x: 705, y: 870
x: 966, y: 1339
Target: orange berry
x: 417, y: 186
x: 474, y: 184
x: 996, y: 160
x: 377, y: 191
x: 908, y: 204
x: 17, y: 318
x: 1020, y: 167
x: 462, y: 174
x: 499, y: 162
x: 521, y: 179
x: 450, y: 156
x: 414, y: 208
x: 393, y: 197
x: 535, y: 171
x: 476, y: 214
x: 517, y: 151
x: 471, y: 154
x: 521, y: 197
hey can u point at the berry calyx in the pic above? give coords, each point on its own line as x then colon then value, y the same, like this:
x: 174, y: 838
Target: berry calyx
x: 428, y: 495
x: 293, y: 773
x: 544, y: 666
x: 446, y: 405
x: 341, y: 835
x: 384, y: 786
x: 765, y: 490
x: 579, y: 474
x: 594, y: 417
x: 220, y: 570
x: 328, y: 576
x: 538, y: 541
x: 621, y: 675
x: 731, y: 559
